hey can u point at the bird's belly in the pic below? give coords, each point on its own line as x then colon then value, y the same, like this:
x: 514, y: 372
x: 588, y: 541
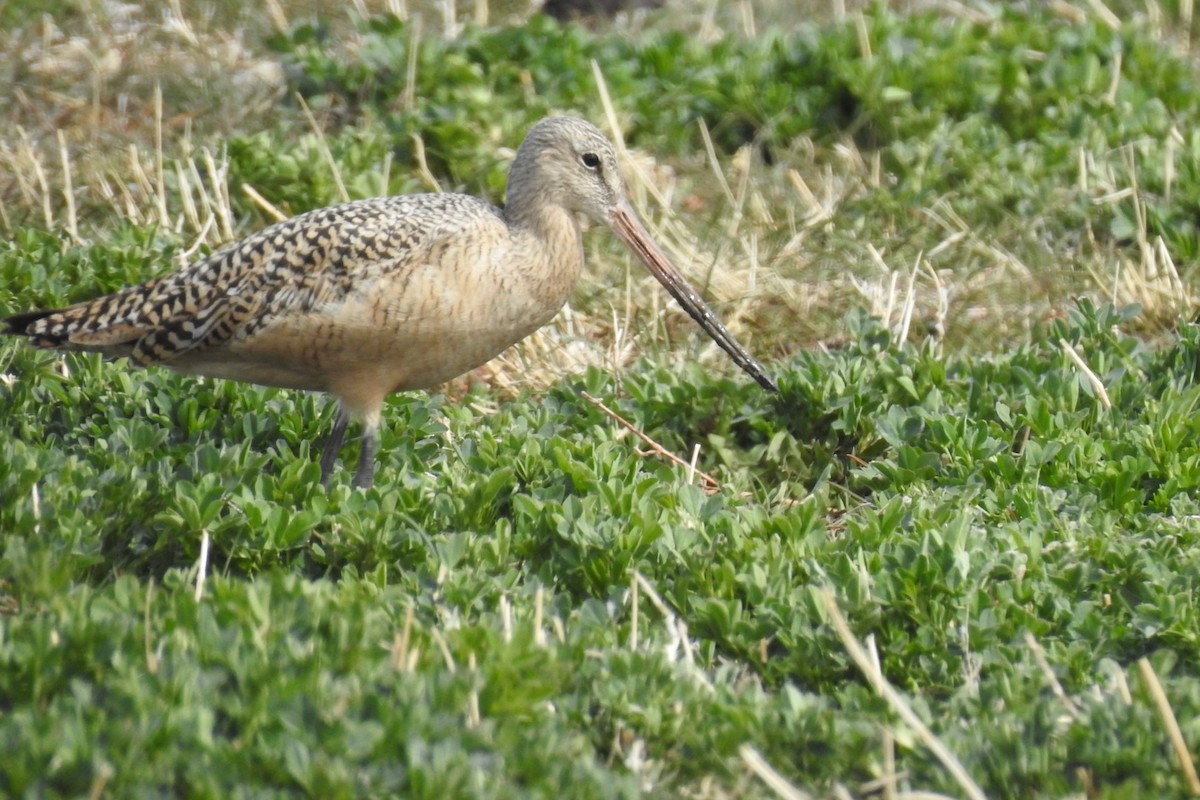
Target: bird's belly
x: 360, y: 349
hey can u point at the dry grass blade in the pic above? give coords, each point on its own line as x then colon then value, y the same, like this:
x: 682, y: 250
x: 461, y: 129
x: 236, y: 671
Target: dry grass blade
x: 679, y: 641
x: 402, y: 644
x: 277, y: 16
x: 444, y: 649
x: 1039, y: 655
x: 426, y: 175
x: 219, y: 201
x: 618, y: 139
x: 31, y: 159
x: 634, y: 614
x: 711, y: 152
x: 104, y: 773
x: 202, y: 566
x: 1091, y: 377
x: 323, y: 145
x: 473, y: 717
x: 68, y: 188
x: 889, y: 765
x: 160, y: 183
x: 767, y: 774
x: 408, y: 98
x: 1185, y: 21
x: 1105, y: 14
x: 897, y: 703
x: 263, y: 203
x: 539, y: 613
x: 1172, y: 725
x: 152, y: 660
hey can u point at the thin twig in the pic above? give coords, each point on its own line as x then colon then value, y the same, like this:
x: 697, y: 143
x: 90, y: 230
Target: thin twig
x: 710, y: 483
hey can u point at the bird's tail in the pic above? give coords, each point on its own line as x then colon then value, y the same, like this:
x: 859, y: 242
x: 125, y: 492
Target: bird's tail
x: 29, y: 323
x: 72, y: 328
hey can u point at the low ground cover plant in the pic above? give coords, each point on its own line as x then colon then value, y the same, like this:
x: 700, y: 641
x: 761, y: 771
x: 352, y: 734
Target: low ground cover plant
x: 957, y: 553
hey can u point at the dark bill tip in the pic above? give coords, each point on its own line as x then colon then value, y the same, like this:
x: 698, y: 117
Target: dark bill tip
x: 627, y: 226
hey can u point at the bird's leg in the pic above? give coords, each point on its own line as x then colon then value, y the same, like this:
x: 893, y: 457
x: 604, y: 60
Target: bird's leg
x: 333, y: 444
x: 364, y: 476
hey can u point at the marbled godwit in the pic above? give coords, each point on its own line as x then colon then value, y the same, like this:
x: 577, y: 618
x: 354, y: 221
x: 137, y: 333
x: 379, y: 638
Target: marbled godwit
x: 383, y: 295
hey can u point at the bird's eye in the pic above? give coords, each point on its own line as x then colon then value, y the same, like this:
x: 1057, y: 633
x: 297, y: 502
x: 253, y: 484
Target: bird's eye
x: 590, y: 160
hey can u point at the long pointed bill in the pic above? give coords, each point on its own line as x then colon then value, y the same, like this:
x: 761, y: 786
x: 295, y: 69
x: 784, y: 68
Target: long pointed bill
x: 626, y: 225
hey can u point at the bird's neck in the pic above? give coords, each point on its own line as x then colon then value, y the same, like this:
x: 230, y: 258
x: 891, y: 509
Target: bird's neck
x: 547, y: 245
x: 547, y: 223
x: 529, y: 199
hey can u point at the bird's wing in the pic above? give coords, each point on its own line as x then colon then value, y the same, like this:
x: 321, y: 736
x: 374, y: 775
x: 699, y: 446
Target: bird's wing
x: 291, y: 267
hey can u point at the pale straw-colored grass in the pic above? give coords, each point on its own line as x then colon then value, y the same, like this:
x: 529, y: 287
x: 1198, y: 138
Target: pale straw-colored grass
x: 124, y: 118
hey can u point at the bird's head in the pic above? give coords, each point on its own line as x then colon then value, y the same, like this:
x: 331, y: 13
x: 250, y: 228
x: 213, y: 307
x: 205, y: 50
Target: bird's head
x: 567, y: 163
x: 570, y: 163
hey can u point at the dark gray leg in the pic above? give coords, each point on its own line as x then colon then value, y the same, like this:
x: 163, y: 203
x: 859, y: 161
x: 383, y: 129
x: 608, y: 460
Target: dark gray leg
x: 364, y: 476
x: 332, y: 445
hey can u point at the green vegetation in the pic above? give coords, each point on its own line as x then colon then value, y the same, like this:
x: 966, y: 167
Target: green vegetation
x: 966, y: 245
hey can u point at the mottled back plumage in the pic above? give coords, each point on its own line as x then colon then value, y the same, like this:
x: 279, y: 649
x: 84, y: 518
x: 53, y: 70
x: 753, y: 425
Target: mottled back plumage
x: 375, y: 296
x: 290, y: 267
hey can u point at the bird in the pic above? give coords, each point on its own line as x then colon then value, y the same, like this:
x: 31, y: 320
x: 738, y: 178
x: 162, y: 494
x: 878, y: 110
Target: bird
x: 386, y: 294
